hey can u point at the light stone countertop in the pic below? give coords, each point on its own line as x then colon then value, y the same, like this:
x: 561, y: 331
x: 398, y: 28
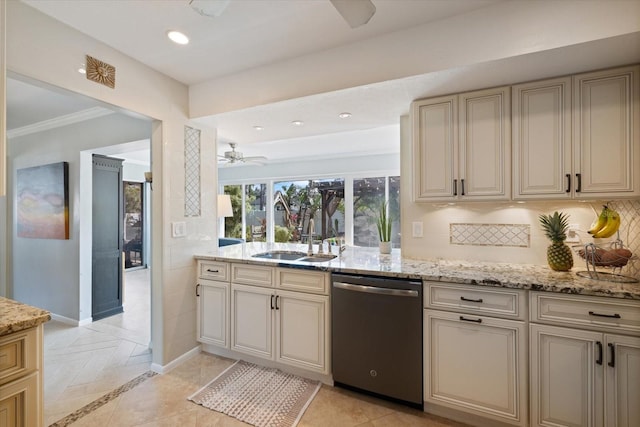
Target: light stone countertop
x: 370, y: 261
x: 15, y: 316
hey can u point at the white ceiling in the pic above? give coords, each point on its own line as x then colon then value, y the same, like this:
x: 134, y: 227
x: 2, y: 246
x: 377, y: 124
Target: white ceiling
x: 255, y: 33
x: 248, y: 34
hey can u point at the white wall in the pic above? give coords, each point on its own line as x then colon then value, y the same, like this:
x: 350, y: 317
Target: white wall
x: 46, y: 272
x: 134, y: 172
x: 44, y: 49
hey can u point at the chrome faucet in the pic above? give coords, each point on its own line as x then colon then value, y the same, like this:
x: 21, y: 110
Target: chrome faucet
x: 311, y: 227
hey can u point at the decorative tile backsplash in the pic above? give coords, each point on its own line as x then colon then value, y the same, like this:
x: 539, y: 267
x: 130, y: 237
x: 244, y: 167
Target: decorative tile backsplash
x: 191, y: 171
x: 517, y: 235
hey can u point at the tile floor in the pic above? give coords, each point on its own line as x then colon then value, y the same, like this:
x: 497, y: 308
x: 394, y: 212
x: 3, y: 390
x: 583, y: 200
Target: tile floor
x: 85, y: 363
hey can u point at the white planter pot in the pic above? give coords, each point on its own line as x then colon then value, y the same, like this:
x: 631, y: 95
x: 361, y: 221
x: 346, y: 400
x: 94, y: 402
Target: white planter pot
x: 385, y: 247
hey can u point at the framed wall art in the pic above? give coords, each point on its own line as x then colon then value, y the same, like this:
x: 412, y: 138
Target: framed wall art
x: 42, y: 199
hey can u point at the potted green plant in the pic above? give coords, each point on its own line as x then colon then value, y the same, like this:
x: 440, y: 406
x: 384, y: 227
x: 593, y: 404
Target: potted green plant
x: 384, y: 229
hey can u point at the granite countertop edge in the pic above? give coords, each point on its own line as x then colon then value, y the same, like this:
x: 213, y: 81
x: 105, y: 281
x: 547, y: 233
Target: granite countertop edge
x: 370, y: 261
x: 16, y: 316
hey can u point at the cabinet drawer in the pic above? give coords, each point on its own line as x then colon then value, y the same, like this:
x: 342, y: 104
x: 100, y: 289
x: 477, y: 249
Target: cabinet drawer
x: 18, y: 354
x: 304, y: 281
x: 213, y: 270
x: 508, y: 303
x: 599, y: 313
x: 256, y: 275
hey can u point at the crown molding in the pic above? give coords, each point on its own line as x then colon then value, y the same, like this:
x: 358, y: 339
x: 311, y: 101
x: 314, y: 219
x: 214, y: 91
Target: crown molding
x: 69, y: 119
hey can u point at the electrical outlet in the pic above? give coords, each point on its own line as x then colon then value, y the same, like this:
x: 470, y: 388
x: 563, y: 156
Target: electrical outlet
x: 572, y: 234
x: 416, y: 229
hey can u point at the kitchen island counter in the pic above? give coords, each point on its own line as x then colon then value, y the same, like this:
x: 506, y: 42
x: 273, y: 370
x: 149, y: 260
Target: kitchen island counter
x: 355, y: 260
x: 15, y: 316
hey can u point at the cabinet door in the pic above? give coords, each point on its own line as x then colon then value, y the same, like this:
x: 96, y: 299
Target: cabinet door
x: 21, y: 402
x: 435, y: 142
x: 212, y: 313
x: 566, y: 369
x: 302, y: 330
x: 485, y: 144
x: 607, y: 133
x: 541, y: 120
x: 622, y: 381
x: 252, y: 320
x: 476, y: 364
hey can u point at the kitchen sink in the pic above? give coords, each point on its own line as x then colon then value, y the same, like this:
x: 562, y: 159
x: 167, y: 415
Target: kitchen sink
x: 317, y: 258
x: 295, y: 256
x: 285, y: 255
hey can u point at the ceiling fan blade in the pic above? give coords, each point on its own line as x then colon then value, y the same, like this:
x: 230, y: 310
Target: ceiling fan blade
x: 355, y: 12
x: 209, y: 7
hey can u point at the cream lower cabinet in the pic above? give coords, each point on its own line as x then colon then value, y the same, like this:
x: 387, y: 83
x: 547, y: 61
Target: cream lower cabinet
x: 582, y: 372
x: 212, y: 293
x: 288, y: 327
x: 21, y: 389
x: 213, y: 313
x: 584, y: 378
x: 476, y: 364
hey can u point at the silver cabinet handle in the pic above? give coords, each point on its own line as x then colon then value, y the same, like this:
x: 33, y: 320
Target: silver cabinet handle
x: 375, y: 290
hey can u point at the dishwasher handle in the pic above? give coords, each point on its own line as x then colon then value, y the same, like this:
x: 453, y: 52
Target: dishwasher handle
x: 376, y: 290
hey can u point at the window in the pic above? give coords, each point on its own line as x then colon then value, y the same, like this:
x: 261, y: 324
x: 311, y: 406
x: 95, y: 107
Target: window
x: 288, y: 205
x: 369, y: 194
x: 255, y: 196
x: 233, y: 224
x: 296, y: 202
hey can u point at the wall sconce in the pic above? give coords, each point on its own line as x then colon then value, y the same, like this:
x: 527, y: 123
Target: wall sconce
x: 224, y: 205
x: 148, y: 177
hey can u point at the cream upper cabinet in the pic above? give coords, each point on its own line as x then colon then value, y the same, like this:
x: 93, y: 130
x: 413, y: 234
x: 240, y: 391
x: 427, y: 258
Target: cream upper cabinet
x: 599, y: 158
x: 541, y: 120
x: 606, y: 133
x: 462, y: 146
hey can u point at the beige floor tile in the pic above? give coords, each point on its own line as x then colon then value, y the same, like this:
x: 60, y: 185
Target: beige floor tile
x: 83, y: 364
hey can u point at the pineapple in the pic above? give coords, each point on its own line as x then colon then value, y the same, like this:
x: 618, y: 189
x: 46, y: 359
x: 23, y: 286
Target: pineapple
x: 555, y: 227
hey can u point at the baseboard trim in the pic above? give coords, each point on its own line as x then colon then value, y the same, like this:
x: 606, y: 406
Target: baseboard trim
x: 163, y: 369
x: 70, y: 321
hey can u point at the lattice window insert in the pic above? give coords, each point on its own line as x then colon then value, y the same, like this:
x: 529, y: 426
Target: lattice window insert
x: 191, y: 172
x: 517, y: 235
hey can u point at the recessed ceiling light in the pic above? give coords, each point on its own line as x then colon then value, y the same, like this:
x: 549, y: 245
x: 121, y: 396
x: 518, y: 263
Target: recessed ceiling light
x: 177, y: 37
x: 297, y: 122
x: 82, y: 69
x: 258, y: 128
x: 344, y: 115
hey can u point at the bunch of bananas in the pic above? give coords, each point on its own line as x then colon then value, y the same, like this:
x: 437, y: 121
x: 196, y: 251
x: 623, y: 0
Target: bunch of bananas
x: 606, y: 225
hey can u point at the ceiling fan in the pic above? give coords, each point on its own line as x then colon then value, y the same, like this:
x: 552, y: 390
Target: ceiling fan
x: 355, y: 12
x: 234, y: 157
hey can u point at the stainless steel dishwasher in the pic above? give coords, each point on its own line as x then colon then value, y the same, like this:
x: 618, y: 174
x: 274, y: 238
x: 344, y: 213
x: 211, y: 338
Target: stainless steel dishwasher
x: 376, y: 330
